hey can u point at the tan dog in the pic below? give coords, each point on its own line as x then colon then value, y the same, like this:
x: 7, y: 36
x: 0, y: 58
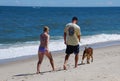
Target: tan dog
x: 88, y: 52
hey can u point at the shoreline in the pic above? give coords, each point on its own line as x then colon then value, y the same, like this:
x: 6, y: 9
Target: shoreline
x: 7, y: 62
x: 54, y: 53
x: 104, y: 68
x: 4, y: 62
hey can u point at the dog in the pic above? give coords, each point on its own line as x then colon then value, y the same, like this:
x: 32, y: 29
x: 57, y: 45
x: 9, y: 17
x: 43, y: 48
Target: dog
x: 88, y: 52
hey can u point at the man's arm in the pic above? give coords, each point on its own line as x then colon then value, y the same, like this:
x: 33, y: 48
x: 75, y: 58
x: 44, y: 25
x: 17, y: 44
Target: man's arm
x: 64, y: 37
x: 79, y: 38
x: 79, y: 34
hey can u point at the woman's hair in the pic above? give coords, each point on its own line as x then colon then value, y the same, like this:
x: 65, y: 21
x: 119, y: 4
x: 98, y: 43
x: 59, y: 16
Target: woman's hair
x: 45, y: 28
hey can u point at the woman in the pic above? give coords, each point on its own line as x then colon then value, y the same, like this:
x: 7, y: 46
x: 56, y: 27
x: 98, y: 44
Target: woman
x: 43, y: 49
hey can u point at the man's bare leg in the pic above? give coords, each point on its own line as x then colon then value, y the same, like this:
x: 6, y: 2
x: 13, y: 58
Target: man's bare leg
x: 40, y: 59
x: 76, y: 60
x: 65, y: 62
x: 48, y: 54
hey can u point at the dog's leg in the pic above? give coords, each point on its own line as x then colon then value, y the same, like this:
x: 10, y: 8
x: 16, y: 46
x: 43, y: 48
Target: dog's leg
x: 88, y: 58
x: 91, y: 58
x: 83, y: 57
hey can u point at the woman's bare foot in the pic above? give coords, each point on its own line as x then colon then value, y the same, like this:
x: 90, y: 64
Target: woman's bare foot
x: 64, y: 67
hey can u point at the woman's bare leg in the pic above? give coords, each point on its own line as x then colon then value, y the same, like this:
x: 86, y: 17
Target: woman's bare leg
x: 48, y: 54
x: 40, y: 59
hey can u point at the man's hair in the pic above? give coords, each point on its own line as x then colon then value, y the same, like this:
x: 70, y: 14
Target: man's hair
x: 45, y: 28
x: 74, y: 18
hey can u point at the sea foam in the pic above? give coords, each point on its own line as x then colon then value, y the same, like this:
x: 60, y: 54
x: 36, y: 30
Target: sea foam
x: 31, y: 48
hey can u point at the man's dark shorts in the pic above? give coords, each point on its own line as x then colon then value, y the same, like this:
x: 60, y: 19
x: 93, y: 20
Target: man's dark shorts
x: 72, y: 49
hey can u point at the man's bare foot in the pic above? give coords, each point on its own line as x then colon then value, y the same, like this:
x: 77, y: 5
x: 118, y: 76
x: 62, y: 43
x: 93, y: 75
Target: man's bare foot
x: 37, y: 72
x: 64, y: 67
x: 76, y: 66
x: 54, y: 69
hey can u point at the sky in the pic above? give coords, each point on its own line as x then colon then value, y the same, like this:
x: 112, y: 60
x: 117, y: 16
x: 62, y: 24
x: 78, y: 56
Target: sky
x: 61, y: 3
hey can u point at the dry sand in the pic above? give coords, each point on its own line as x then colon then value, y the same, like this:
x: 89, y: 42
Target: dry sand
x: 105, y: 67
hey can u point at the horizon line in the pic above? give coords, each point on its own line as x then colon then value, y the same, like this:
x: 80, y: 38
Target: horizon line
x: 54, y: 6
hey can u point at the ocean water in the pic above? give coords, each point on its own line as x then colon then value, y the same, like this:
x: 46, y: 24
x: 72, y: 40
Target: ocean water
x: 20, y: 27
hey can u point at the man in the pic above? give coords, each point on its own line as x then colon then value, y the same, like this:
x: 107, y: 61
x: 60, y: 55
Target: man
x: 43, y: 49
x: 71, y: 39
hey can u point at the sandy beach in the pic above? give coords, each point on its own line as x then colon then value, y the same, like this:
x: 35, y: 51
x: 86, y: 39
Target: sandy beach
x: 105, y: 67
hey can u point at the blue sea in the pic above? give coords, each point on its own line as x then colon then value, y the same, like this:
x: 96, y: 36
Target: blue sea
x: 20, y: 27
